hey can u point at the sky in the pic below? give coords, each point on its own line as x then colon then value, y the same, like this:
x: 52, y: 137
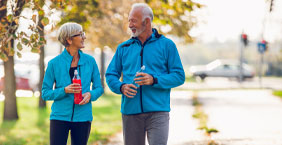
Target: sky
x: 223, y: 20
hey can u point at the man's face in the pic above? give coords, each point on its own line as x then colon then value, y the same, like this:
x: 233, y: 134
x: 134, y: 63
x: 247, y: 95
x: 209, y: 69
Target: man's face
x: 135, y: 22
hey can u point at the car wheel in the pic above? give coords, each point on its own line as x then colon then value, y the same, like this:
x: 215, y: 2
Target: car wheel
x: 202, y: 76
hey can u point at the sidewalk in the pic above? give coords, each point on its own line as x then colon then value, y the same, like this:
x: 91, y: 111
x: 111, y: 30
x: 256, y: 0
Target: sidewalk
x: 183, y: 128
x: 244, y: 117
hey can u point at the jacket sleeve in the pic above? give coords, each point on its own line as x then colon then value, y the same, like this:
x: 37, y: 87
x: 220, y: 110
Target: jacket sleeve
x: 97, y: 89
x: 48, y: 93
x: 175, y: 76
x: 113, y: 73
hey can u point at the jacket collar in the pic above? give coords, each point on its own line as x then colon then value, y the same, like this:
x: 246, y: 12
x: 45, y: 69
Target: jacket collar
x: 69, y: 58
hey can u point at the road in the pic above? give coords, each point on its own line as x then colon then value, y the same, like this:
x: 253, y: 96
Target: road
x: 251, y: 117
x: 225, y: 83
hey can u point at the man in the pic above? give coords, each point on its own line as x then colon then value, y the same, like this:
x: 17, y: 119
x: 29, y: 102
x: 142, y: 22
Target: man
x: 145, y: 109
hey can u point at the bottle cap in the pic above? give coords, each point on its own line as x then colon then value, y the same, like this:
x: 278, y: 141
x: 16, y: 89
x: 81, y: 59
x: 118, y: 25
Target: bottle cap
x: 143, y: 67
x: 75, y: 72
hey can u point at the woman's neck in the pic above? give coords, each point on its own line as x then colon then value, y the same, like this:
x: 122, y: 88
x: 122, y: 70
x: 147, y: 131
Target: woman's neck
x: 73, y: 52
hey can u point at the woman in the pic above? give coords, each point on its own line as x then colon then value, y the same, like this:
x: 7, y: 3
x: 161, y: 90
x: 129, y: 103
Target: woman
x: 67, y: 116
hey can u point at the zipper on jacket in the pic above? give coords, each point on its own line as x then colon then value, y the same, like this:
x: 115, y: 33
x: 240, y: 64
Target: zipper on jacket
x: 141, y: 102
x: 72, y: 112
x: 141, y: 54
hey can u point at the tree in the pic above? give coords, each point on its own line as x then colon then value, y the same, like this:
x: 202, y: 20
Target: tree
x: 9, y: 21
x: 6, y: 53
x: 176, y: 14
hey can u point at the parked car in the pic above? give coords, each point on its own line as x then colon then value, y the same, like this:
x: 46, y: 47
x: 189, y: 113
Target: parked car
x: 222, y: 68
x: 26, y: 77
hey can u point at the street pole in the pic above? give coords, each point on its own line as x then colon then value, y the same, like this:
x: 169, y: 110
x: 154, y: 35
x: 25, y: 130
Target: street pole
x: 244, y: 43
x: 241, y: 63
x: 260, y: 69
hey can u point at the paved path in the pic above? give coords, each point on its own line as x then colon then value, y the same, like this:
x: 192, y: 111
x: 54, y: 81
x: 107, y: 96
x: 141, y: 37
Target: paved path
x: 183, y: 128
x: 243, y: 117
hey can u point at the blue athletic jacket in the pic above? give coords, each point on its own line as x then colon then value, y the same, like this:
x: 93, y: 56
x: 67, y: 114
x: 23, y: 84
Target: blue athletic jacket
x: 57, y: 73
x: 161, y: 59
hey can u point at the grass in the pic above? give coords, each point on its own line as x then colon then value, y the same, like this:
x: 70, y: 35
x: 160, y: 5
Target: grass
x: 277, y: 93
x: 189, y: 78
x: 32, y: 128
x: 202, y: 118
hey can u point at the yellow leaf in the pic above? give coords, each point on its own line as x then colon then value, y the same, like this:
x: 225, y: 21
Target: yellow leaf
x: 34, y: 18
x: 45, y: 21
x: 17, y: 21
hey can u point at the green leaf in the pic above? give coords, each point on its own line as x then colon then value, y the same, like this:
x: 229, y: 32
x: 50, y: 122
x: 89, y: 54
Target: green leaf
x: 11, y: 52
x: 25, y: 41
x: 10, y: 18
x: 45, y: 21
x: 19, y: 54
x: 3, y: 56
x: 35, y: 50
x: 41, y: 13
x: 19, y: 46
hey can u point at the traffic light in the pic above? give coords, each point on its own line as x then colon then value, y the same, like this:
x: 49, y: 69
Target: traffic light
x: 265, y: 44
x: 244, y: 38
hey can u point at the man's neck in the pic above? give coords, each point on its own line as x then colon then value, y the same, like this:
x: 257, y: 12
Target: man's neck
x: 145, y: 35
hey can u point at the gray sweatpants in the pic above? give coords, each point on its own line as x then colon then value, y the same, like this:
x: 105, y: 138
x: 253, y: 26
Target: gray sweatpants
x: 155, y: 124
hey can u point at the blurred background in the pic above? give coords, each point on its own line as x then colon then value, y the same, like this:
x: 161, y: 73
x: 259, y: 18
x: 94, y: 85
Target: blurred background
x: 231, y: 52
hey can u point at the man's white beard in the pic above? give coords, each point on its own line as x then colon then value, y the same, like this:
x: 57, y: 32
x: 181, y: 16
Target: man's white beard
x: 138, y: 32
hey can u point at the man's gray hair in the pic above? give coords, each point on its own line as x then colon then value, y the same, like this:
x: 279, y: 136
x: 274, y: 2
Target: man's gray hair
x: 146, y: 10
x: 67, y: 30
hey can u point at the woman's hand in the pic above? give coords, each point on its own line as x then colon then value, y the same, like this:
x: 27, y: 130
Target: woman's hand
x: 86, y: 98
x: 73, y: 88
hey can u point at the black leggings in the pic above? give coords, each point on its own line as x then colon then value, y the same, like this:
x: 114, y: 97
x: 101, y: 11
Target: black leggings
x: 59, y: 131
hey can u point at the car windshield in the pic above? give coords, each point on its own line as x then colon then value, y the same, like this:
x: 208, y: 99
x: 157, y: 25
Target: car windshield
x: 213, y: 64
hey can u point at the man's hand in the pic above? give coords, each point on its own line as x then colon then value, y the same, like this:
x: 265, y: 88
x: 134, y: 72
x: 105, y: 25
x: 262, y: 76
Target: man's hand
x: 86, y: 98
x: 73, y: 88
x: 127, y: 90
x: 144, y: 79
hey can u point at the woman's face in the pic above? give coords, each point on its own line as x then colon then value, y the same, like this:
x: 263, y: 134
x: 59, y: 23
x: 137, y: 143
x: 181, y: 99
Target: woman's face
x: 78, y: 40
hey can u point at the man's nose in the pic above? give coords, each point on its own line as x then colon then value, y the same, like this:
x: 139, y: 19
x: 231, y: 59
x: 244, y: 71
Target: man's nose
x: 130, y: 25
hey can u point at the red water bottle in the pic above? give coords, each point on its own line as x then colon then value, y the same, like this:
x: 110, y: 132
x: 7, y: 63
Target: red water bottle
x: 77, y: 96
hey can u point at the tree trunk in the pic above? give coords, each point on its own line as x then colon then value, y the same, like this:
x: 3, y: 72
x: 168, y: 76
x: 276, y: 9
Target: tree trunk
x: 10, y: 103
x: 102, y: 67
x: 42, y: 103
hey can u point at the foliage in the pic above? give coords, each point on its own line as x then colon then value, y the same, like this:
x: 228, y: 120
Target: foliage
x: 176, y: 14
x: 33, y: 126
x: 9, y: 23
x: 81, y: 11
x: 277, y: 93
